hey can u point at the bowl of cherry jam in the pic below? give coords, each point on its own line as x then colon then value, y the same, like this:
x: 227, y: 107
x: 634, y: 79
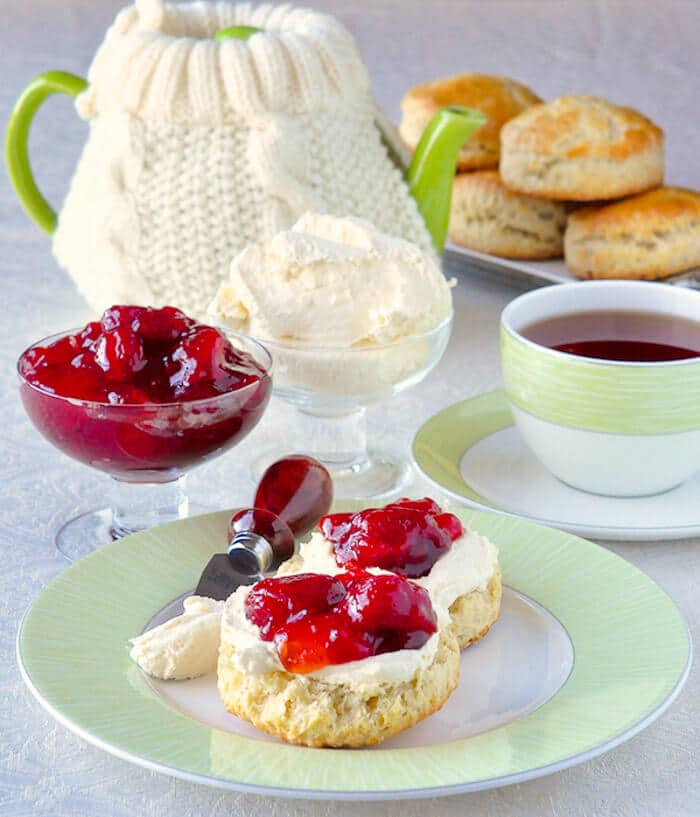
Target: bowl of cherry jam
x: 603, y: 380
x: 143, y: 395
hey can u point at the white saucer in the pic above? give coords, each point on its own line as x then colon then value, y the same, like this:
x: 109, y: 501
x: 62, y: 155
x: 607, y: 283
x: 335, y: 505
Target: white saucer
x: 472, y: 451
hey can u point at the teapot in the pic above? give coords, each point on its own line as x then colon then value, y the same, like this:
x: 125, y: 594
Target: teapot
x: 213, y: 126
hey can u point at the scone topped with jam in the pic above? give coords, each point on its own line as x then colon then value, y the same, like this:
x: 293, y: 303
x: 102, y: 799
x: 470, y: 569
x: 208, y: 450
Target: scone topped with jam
x: 415, y: 539
x: 342, y: 660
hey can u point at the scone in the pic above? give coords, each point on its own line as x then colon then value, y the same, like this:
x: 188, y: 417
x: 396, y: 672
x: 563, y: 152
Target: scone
x: 647, y: 236
x: 499, y: 98
x: 581, y: 148
x: 414, y: 538
x: 487, y: 217
x: 345, y: 660
x: 473, y: 614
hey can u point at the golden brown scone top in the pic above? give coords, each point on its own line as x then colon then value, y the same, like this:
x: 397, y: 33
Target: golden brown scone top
x: 574, y: 127
x: 501, y: 98
x: 665, y: 207
x: 498, y: 98
x: 486, y: 179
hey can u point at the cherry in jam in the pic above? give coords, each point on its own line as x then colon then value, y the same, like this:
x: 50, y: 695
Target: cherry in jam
x: 305, y: 646
x: 121, y: 394
x: 406, y: 537
x: 137, y: 354
x: 315, y: 621
x: 274, y: 603
x: 383, y: 604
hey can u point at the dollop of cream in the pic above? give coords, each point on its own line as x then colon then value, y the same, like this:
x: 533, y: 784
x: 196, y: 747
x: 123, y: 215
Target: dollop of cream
x: 317, y: 556
x: 379, y: 288
x: 254, y: 656
x: 186, y: 646
x: 468, y: 565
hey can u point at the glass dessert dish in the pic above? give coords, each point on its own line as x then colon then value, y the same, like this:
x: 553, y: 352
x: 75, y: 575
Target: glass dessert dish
x: 331, y: 388
x: 147, y: 447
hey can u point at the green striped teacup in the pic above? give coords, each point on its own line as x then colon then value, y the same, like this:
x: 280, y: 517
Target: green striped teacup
x: 610, y: 427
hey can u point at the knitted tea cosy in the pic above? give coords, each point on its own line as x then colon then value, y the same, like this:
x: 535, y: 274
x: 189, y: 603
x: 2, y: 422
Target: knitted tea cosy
x: 198, y: 148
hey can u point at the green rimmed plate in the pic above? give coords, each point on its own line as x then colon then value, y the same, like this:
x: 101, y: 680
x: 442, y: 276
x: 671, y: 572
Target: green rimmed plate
x: 472, y: 451
x: 615, y: 648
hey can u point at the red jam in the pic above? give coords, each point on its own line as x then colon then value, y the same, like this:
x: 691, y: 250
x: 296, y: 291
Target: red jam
x: 139, y: 370
x: 315, y: 620
x: 136, y: 354
x: 406, y: 537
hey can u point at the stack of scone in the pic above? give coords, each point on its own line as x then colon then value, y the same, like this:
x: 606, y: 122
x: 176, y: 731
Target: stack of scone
x: 577, y: 176
x: 486, y: 216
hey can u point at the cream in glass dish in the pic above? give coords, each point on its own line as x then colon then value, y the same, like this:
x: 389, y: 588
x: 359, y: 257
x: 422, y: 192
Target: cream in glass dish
x: 603, y: 379
x: 351, y: 316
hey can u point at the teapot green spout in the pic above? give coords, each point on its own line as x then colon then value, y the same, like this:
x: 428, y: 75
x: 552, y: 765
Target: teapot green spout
x: 429, y: 175
x: 432, y: 169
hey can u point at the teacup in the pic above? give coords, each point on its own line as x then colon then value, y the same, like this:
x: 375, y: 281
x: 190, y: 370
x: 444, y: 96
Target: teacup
x: 609, y: 427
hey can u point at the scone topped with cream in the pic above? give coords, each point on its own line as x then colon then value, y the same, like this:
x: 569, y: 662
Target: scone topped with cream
x: 343, y: 660
x: 415, y: 539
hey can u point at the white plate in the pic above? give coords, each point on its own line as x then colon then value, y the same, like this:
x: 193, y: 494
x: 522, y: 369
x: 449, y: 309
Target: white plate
x: 551, y: 271
x: 542, y: 692
x: 544, y: 272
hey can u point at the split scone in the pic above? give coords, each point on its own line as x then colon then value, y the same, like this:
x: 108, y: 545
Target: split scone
x: 498, y: 98
x: 414, y: 538
x: 647, y: 236
x: 581, y: 148
x: 488, y: 217
x: 344, y: 660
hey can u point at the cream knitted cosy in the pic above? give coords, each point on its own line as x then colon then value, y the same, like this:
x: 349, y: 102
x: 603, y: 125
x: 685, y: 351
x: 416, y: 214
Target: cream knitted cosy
x: 197, y: 148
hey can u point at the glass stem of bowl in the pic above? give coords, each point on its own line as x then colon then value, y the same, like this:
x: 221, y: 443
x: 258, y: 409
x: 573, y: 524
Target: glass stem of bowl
x: 141, y: 505
x: 339, y: 441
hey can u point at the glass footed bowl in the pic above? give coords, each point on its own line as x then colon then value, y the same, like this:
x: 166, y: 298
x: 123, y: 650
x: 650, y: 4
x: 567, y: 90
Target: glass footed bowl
x: 146, y: 447
x: 331, y: 389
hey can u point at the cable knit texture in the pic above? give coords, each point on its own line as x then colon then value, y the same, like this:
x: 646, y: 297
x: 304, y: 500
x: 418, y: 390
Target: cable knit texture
x: 197, y: 148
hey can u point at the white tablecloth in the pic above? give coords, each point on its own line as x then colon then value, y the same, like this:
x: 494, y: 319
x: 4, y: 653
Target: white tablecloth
x: 637, y: 53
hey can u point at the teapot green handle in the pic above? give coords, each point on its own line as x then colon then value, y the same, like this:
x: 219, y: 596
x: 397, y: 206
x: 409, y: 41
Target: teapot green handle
x: 17, y: 136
